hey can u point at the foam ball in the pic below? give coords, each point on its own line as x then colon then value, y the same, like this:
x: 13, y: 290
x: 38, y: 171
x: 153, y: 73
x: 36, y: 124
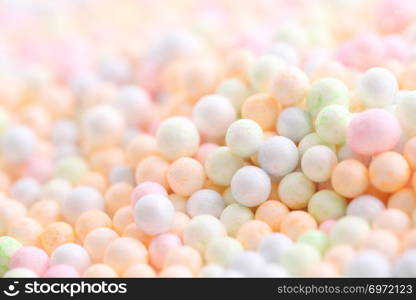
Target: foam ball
x: 367, y: 264
x: 71, y: 168
x: 272, y: 213
x: 26, y: 190
x: 349, y: 230
x: 212, y: 115
x: 310, y: 140
x: 350, y: 178
x: 289, y: 86
x: 177, y: 137
x: 247, y: 263
x: 327, y: 205
x: 160, y: 247
x: 18, y: 144
x: 250, y: 186
x: 56, y: 234
x: 211, y: 271
x: 263, y: 109
x: 263, y: 70
x: 366, y: 207
x: 154, y: 214
x: 405, y: 264
x: 61, y: 271
x: 316, y: 239
x: 79, y: 200
x: 71, y: 254
x: 90, y: 220
x: 8, y: 247
x: 222, y: 250
x: 331, y: 123
x: 389, y: 172
x: 185, y: 176
x: 294, y: 123
x: 377, y: 87
x: 405, y: 109
x: 244, y: 137
x: 134, y: 103
x: 20, y: 273
x: 272, y: 247
x: 184, y: 256
x: 318, y: 163
x: 295, y: 190
x: 221, y: 164
x: 373, y: 131
x: 205, y: 202
x: 102, y: 125
x: 99, y: 271
x: 96, y: 242
x: 297, y: 222
x: 139, y: 271
x: 298, y: 258
x: 251, y: 233
x: 278, y: 156
x: 235, y: 90
x: 146, y: 188
x: 201, y: 230
x: 234, y: 216
x: 324, y: 92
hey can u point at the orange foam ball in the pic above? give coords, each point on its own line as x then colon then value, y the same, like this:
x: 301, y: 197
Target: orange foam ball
x: 89, y: 221
x: 297, y: 222
x: 389, y: 172
x: 152, y: 168
x: 272, y: 213
x: 185, y: 176
x: 117, y: 196
x: 251, y: 233
x: 263, y: 109
x: 350, y: 178
x: 56, y: 234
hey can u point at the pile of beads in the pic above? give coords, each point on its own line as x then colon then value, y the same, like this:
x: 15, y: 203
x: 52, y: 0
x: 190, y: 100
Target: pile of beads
x: 233, y: 139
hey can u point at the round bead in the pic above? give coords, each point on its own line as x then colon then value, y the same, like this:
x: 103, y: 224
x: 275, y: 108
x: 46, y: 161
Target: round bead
x: 250, y: 186
x: 244, y: 137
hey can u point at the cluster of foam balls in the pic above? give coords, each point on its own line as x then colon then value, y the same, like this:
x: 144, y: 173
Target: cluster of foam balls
x: 225, y: 150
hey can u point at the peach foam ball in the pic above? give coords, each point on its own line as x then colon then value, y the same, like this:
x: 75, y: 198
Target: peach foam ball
x: 124, y: 252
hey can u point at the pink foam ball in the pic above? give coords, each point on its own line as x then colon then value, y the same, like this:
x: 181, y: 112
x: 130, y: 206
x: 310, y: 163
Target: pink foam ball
x: 32, y: 258
x: 395, y: 15
x: 146, y: 188
x: 327, y: 225
x: 204, y: 150
x: 61, y: 271
x: 363, y: 52
x: 373, y: 131
x: 40, y: 168
x: 395, y: 47
x: 160, y: 247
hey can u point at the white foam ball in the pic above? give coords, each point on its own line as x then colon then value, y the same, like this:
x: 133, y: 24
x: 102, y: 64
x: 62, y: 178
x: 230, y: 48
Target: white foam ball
x: 205, y: 202
x: 154, y: 214
x: 134, y: 103
x: 272, y: 247
x: 201, y: 230
x: 18, y: 144
x: 365, y: 206
x: 278, y: 156
x: 405, y: 265
x: 26, y: 190
x: 367, y: 264
x: 177, y: 137
x: 248, y: 263
x: 377, y: 87
x: 294, y: 123
x: 250, y: 186
x: 213, y: 114
x: 244, y: 137
x: 71, y: 254
x: 79, y: 200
